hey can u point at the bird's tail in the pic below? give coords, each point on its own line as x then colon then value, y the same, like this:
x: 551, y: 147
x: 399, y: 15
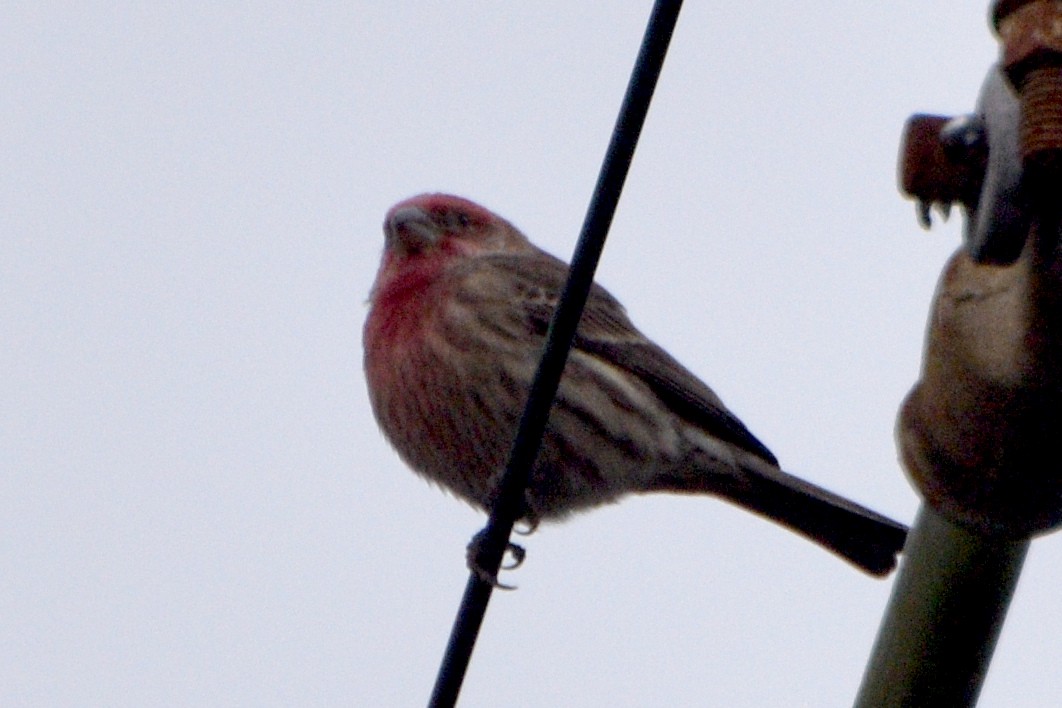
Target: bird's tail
x: 857, y: 534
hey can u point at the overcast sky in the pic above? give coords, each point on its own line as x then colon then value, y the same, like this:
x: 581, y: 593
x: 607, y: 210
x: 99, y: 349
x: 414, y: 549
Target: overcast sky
x: 196, y: 506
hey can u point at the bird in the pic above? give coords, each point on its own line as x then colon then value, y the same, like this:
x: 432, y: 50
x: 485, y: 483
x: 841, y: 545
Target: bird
x: 458, y: 315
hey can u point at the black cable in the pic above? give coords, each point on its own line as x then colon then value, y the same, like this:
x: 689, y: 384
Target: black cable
x: 494, y: 538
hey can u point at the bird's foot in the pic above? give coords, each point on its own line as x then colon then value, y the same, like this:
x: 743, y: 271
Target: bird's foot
x: 474, y: 558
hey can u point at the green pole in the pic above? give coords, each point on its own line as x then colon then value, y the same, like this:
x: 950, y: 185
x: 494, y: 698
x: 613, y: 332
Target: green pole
x: 944, y: 617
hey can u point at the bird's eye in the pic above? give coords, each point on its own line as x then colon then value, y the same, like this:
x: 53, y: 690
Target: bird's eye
x: 463, y: 220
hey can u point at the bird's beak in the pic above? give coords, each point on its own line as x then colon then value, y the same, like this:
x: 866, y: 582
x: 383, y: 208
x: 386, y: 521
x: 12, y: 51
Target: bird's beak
x: 411, y: 229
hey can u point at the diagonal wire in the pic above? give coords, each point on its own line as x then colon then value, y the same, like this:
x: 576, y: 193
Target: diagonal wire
x: 494, y: 538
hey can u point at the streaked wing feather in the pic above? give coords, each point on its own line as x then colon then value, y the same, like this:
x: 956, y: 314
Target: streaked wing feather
x: 606, y: 332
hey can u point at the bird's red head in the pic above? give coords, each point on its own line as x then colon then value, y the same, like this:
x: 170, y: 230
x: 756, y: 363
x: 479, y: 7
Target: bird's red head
x: 446, y: 224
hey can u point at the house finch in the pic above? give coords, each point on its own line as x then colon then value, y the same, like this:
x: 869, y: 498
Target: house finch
x: 459, y: 312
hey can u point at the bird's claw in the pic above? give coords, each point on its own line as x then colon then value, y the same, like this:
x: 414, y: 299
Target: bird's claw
x: 517, y: 553
x: 474, y: 555
x: 530, y: 526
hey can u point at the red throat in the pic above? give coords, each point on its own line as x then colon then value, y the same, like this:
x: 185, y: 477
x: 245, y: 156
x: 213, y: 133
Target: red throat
x: 402, y: 301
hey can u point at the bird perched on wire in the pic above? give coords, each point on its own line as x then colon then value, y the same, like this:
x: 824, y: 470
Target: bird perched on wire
x: 459, y: 312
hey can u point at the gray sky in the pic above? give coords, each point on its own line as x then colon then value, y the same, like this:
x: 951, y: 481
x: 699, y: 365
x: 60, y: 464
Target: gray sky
x: 196, y: 507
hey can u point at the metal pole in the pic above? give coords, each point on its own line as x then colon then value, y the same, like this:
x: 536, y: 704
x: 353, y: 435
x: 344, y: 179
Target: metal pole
x: 944, y: 617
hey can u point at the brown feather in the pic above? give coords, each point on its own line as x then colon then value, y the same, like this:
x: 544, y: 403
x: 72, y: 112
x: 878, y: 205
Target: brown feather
x: 606, y: 332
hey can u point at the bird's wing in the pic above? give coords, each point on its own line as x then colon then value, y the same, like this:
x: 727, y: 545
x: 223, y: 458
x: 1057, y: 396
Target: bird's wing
x: 607, y: 333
